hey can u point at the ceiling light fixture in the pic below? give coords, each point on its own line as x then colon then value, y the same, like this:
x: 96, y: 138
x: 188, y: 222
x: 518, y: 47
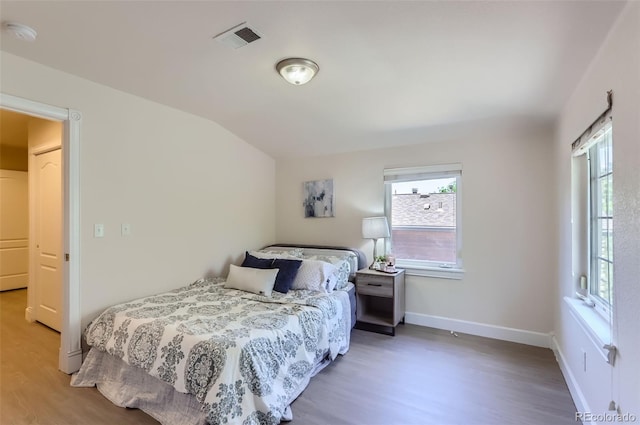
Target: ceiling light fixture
x: 297, y: 71
x: 20, y: 31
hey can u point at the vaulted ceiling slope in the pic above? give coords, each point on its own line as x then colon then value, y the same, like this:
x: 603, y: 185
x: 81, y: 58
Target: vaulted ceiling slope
x: 390, y: 71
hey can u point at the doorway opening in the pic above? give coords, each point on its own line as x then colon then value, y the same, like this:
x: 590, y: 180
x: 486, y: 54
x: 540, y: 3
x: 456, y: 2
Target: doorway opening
x: 31, y: 214
x: 45, y: 157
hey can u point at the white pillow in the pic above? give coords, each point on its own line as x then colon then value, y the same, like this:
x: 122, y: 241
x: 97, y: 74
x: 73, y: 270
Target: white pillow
x: 294, y: 251
x: 258, y: 281
x: 332, y: 281
x: 273, y: 254
x: 315, y: 275
x: 342, y: 264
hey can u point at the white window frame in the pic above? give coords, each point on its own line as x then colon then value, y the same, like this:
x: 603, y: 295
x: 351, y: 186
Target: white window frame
x: 583, y: 216
x: 420, y: 267
x: 601, y: 305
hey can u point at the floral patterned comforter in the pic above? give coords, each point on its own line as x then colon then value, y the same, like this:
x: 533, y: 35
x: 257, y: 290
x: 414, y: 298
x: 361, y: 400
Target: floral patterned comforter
x: 243, y: 356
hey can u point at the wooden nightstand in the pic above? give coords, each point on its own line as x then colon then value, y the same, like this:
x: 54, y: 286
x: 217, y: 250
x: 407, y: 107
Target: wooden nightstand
x: 380, y: 299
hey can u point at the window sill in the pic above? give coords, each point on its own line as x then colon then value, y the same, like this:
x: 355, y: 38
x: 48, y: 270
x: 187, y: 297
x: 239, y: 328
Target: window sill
x: 440, y: 272
x: 594, y: 325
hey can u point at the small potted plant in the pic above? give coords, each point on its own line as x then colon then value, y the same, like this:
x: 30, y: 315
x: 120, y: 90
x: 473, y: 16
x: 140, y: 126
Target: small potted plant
x: 380, y: 262
x: 385, y: 263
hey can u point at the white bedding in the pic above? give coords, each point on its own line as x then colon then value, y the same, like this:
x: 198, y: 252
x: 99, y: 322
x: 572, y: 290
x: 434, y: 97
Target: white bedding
x: 243, y: 357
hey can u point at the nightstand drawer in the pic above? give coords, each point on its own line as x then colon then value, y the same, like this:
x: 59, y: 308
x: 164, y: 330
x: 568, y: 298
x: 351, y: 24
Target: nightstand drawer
x: 380, y: 286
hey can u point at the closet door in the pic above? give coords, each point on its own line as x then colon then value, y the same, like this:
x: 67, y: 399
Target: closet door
x: 14, y: 230
x: 48, y: 238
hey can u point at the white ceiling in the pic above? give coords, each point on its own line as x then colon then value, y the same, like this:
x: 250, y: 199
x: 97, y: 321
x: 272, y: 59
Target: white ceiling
x: 390, y: 71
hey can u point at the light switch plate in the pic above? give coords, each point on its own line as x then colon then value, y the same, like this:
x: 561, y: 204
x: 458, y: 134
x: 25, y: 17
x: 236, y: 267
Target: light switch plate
x: 125, y: 229
x: 98, y: 230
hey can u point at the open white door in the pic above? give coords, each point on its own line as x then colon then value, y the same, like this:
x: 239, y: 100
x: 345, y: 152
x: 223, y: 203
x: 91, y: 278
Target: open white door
x: 48, y: 238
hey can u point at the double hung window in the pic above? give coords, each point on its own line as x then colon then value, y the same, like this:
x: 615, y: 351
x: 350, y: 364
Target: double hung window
x: 423, y: 206
x: 593, y: 214
x: 600, y: 158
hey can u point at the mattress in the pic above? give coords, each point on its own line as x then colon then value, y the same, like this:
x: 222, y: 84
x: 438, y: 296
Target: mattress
x: 351, y: 291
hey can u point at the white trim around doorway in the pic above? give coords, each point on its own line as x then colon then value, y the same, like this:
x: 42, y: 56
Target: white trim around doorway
x: 70, y: 355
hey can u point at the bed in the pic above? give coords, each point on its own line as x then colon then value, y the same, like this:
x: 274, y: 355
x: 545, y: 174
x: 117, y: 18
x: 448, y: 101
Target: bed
x: 210, y: 353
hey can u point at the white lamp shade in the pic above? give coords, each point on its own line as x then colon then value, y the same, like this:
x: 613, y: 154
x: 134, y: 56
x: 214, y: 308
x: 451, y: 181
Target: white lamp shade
x: 297, y: 71
x: 375, y: 227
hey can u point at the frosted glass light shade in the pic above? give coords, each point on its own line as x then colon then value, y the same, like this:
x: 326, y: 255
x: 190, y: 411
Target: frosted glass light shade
x: 297, y: 71
x: 375, y: 227
x: 20, y: 31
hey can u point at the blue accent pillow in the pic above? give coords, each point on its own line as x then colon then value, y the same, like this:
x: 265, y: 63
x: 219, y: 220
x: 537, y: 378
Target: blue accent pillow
x: 256, y: 263
x: 286, y: 275
x: 288, y: 269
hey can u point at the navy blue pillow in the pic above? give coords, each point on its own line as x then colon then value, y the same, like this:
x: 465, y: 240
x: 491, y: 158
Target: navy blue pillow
x: 256, y: 263
x: 288, y: 269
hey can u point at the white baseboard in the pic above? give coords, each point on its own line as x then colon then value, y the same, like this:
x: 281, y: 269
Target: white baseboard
x: 70, y: 362
x: 537, y: 339
x: 578, y: 398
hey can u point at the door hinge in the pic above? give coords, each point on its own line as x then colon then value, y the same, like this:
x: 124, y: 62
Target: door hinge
x: 66, y: 256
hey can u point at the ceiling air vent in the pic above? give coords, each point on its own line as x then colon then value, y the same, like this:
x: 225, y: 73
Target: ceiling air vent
x: 238, y: 36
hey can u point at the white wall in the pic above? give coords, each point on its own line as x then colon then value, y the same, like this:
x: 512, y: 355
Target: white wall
x: 195, y: 195
x: 507, y: 219
x: 617, y: 68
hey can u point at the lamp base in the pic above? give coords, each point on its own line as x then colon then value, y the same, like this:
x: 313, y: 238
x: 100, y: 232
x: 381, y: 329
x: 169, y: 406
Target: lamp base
x: 375, y: 254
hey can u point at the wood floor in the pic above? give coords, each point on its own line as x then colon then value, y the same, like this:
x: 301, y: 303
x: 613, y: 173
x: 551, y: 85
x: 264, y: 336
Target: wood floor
x: 420, y: 376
